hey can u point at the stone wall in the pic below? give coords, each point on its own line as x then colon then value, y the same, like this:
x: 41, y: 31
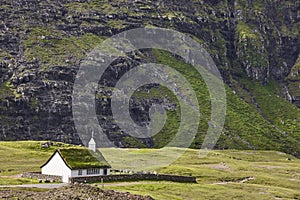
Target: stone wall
x: 135, y: 177
x: 38, y: 175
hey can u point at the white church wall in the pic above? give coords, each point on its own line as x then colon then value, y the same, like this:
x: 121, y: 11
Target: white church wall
x: 56, y: 166
x: 84, y: 172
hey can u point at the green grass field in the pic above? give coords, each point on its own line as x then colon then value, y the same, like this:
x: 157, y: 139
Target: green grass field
x: 24, y: 156
x: 228, y: 174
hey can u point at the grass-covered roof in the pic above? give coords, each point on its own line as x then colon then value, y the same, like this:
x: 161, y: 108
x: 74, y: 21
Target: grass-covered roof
x: 82, y: 158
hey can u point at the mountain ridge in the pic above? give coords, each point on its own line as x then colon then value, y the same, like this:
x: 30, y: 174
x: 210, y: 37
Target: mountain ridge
x: 255, y: 45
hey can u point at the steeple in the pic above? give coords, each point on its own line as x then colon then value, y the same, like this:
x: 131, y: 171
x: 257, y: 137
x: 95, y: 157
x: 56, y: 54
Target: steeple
x: 92, y: 143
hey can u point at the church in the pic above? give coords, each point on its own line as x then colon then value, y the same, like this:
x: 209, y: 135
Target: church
x: 76, y: 162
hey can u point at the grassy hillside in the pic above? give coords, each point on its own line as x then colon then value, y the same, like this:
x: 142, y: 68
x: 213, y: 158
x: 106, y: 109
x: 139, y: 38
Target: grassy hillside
x: 41, y: 53
x: 228, y: 174
x: 257, y: 115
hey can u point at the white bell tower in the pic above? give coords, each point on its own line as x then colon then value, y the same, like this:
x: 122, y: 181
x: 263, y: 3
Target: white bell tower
x: 92, y: 143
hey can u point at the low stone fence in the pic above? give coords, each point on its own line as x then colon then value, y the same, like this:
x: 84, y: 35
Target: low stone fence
x: 44, y: 177
x: 134, y: 177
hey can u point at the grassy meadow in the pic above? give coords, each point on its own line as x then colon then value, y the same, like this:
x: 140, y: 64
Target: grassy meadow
x: 222, y: 174
x: 23, y: 156
x: 229, y: 174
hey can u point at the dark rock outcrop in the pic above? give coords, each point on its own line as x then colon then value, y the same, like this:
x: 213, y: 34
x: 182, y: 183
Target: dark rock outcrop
x: 43, y: 42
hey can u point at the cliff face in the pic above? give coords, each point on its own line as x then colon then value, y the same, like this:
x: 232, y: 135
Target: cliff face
x: 253, y: 43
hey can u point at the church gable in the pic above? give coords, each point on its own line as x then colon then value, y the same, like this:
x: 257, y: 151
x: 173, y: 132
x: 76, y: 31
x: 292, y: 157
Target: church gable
x: 80, y: 158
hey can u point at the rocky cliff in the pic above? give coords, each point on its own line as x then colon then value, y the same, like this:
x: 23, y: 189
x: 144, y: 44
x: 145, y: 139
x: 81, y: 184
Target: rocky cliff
x: 255, y: 44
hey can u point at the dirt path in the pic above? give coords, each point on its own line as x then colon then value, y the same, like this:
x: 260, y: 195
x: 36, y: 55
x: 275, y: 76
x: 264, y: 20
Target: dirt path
x: 45, y: 185
x: 58, y: 185
x: 241, y: 181
x: 13, y: 176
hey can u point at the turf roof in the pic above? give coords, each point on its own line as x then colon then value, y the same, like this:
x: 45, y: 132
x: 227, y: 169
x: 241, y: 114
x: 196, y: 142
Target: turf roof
x: 82, y: 158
